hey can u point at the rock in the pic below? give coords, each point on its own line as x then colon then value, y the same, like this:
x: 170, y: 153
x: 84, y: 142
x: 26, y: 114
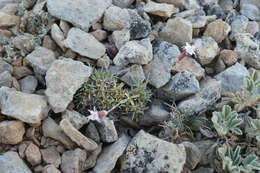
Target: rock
x: 49, y: 43
x: 219, y: 66
x: 23, y: 42
x: 139, y: 27
x: 29, y: 108
x: 155, y: 114
x: 193, y: 155
x: 209, y: 93
x: 110, y: 154
x: 177, y: 31
x: 92, y: 159
x: 107, y: 130
x: 228, y: 56
x: 81, y: 13
x: 50, y: 169
x: 218, y: 30
x: 104, y: 62
x: 226, y: 5
x: 238, y: 26
x: 28, y: 84
x: 248, y: 50
x: 120, y: 37
x: 204, y: 170
x: 148, y: 153
x: 136, y: 52
x: 51, y: 156
x: 22, y: 71
x: 57, y: 35
x: 198, y: 21
x: 177, y: 3
x: 116, y: 18
x: 250, y: 11
x: 181, y: 85
x: 6, y: 79
x: 160, y: 9
x: 92, y: 132
x: 134, y: 74
x: 191, y: 65
x: 41, y: 59
x: 252, y: 27
x: 7, y: 20
x: 84, y: 44
x: 4, y: 66
x: 122, y: 3
x: 76, y: 119
x: 63, y: 79
x: 11, y: 132
x: 214, y: 9
x: 53, y: 130
x: 158, y: 71
x: 77, y: 137
x: 207, y: 49
x: 206, y: 148
x: 9, y: 159
x: 33, y: 154
x: 99, y: 34
x: 232, y: 79
x: 73, y: 161
x: 191, y: 4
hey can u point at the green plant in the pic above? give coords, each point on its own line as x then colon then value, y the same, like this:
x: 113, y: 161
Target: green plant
x: 103, y: 91
x: 254, y: 130
x: 181, y: 123
x: 250, y: 94
x: 230, y: 159
x: 233, y: 162
x: 226, y: 121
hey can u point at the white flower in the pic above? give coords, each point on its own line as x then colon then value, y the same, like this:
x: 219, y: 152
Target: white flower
x: 189, y: 49
x: 94, y: 115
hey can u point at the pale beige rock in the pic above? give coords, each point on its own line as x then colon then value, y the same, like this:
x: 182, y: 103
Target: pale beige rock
x: 218, y: 30
x: 7, y: 20
x: 84, y: 44
x: 191, y: 65
x: 77, y: 137
x: 41, y: 59
x: 63, y: 79
x: 228, y: 56
x: 57, y: 35
x: 53, y: 130
x: 50, y: 169
x: 29, y: 108
x: 73, y: 161
x: 120, y: 38
x: 33, y: 154
x: 177, y: 31
x: 99, y: 34
x: 160, y: 9
x: 11, y: 132
x: 51, y: 156
x: 65, y: 27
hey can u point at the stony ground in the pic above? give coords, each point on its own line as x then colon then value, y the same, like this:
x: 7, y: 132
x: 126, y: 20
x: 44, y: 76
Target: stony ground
x: 49, y: 48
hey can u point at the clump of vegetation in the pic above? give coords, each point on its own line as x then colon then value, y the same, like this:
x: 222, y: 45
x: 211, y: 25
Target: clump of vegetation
x: 254, y: 130
x: 103, y: 91
x: 181, y: 124
x: 250, y: 95
x: 233, y: 162
x: 226, y: 121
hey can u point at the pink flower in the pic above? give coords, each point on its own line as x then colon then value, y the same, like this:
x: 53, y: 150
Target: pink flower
x: 188, y: 50
x: 96, y: 115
